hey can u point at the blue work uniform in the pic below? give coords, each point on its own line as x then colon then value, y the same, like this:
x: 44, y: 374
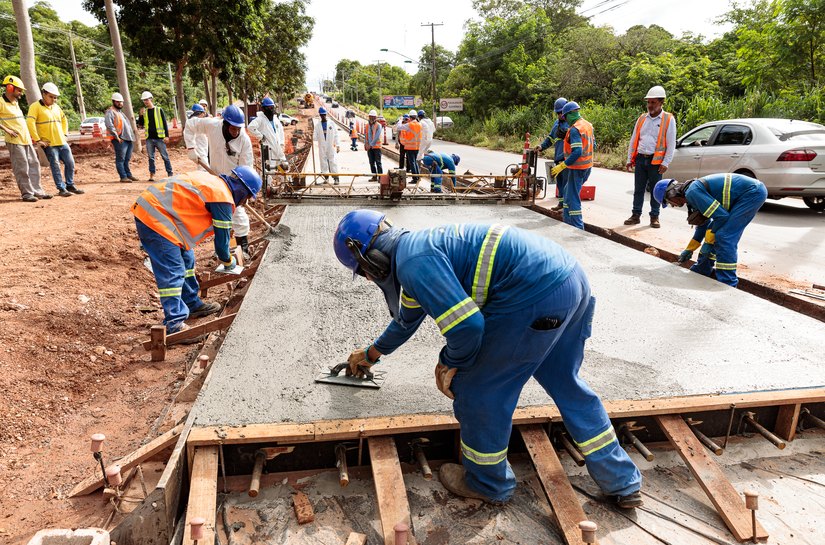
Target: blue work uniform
x: 572, y: 211
x: 510, y: 305
x: 731, y: 202
x: 439, y: 163
x: 556, y: 138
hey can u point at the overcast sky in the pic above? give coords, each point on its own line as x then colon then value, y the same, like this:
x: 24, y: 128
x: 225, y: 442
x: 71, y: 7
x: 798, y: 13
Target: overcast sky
x: 343, y: 30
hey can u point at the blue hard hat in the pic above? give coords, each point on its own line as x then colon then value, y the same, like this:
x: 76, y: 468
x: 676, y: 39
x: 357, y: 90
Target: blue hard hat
x: 422, y: 113
x: 660, y: 189
x: 267, y: 102
x: 322, y: 110
x: 456, y: 158
x: 249, y: 178
x: 559, y: 104
x: 197, y: 108
x: 234, y: 116
x: 569, y: 107
x: 361, y: 226
x: 406, y: 116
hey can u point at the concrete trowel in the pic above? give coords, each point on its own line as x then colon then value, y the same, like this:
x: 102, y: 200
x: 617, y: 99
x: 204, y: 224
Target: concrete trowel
x: 334, y: 376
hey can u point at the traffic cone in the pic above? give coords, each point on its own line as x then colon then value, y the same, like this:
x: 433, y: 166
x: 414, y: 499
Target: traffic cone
x: 174, y: 122
x: 522, y: 179
x: 96, y: 132
x: 288, y: 147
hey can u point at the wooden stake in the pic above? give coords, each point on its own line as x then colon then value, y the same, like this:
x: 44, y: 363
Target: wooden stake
x: 157, y: 342
x: 393, y: 505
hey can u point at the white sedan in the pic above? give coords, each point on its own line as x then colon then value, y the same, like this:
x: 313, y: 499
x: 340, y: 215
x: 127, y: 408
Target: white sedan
x: 788, y: 156
x: 287, y: 120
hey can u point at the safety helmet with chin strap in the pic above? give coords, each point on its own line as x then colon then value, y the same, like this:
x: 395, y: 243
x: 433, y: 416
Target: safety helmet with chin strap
x: 352, y: 241
x: 249, y: 178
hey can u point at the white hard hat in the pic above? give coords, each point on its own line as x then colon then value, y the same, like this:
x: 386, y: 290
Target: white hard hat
x: 372, y: 113
x: 117, y: 97
x: 657, y: 91
x: 203, y: 102
x: 51, y: 88
x: 413, y: 113
x: 145, y: 95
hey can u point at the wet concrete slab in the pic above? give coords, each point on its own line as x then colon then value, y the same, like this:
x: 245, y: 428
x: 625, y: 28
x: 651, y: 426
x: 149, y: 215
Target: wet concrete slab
x: 659, y: 330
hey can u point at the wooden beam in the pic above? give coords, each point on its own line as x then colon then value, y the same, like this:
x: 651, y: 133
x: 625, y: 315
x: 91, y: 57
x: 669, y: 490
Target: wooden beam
x: 156, y: 445
x: 157, y: 342
x: 560, y: 493
x: 729, y: 504
x: 787, y: 420
x: 356, y: 539
x: 196, y: 331
x: 393, y: 506
x: 214, y: 435
x: 203, y: 494
x: 219, y: 279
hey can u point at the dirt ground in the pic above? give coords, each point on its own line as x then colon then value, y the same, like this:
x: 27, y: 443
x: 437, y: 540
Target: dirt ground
x: 75, y: 304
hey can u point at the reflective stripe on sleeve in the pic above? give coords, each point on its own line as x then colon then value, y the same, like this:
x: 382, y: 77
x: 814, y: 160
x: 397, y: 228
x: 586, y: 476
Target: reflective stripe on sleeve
x: 189, y: 273
x: 483, y: 458
x: 455, y: 315
x: 711, y: 209
x: 726, y: 191
x: 484, y: 265
x: 408, y: 302
x: 221, y: 224
x: 597, y: 443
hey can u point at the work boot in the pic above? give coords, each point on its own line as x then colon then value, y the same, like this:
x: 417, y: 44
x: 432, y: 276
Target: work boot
x: 184, y: 327
x: 64, y: 193
x: 205, y: 310
x: 654, y: 222
x: 132, y: 178
x: 629, y: 501
x: 44, y: 196
x: 559, y: 207
x: 374, y: 179
x: 453, y: 477
x: 243, y: 242
x: 337, y: 181
x: 634, y: 219
x: 29, y: 198
x: 125, y: 181
x: 74, y: 190
x: 151, y: 177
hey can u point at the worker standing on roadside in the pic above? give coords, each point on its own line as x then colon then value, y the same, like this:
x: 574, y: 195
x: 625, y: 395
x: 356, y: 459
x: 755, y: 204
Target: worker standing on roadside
x: 579, y: 146
x: 556, y: 138
x: 427, y: 133
x: 410, y: 137
x: 527, y: 314
x: 399, y: 145
x: 372, y: 143
x: 440, y: 163
x: 325, y: 133
x: 153, y: 120
x: 172, y: 216
x: 353, y: 134
x: 229, y: 148
x: 651, y: 149
x: 119, y: 132
x: 24, y: 161
x: 268, y: 129
x: 49, y: 129
x: 720, y: 206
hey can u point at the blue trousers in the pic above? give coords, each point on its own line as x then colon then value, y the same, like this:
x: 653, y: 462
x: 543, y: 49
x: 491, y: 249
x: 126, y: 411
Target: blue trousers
x: 515, y: 348
x: 645, y: 176
x: 174, y: 270
x: 572, y: 211
x: 727, y: 238
x: 412, y: 160
x: 55, y: 155
x: 160, y: 145
x: 561, y: 181
x: 123, y: 154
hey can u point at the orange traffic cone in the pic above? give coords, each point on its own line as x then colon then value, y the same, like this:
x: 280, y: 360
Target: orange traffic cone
x: 96, y: 132
x: 175, y: 123
x: 288, y: 147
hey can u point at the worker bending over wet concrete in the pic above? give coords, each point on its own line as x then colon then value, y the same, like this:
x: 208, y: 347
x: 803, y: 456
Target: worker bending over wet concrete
x: 172, y: 216
x: 511, y: 305
x: 440, y: 163
x: 720, y: 206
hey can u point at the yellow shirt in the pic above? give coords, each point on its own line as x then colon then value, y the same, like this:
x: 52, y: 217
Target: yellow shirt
x: 11, y: 116
x: 47, y: 123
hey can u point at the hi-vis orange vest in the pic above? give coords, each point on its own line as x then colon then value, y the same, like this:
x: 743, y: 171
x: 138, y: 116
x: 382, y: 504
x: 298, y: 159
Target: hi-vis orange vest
x: 661, y: 140
x: 118, y: 122
x: 585, y: 160
x: 411, y: 138
x: 176, y: 207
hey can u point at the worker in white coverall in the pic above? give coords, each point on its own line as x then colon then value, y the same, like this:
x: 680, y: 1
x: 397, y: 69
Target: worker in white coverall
x: 325, y: 133
x: 201, y: 141
x: 267, y: 128
x: 229, y: 147
x: 427, y: 133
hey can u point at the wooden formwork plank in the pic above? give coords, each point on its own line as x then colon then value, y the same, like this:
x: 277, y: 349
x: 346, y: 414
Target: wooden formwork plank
x: 196, y: 331
x: 728, y: 502
x: 254, y: 433
x: 203, y: 494
x: 393, y: 506
x: 156, y: 445
x: 787, y: 420
x: 356, y: 539
x: 563, y: 499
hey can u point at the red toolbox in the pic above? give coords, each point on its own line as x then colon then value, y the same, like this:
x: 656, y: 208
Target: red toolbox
x: 587, y: 193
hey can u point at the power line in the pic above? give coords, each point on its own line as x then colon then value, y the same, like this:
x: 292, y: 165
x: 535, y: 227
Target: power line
x: 41, y: 26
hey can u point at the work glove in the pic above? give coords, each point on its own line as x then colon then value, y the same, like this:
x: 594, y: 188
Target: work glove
x: 710, y: 237
x: 360, y: 363
x: 193, y: 155
x: 229, y: 265
x: 443, y: 378
x: 556, y: 170
x: 684, y: 256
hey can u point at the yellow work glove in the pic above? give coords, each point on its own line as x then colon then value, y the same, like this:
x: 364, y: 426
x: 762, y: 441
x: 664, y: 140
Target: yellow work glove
x: 359, y: 362
x: 443, y: 378
x: 710, y: 238
x: 556, y: 170
x: 693, y: 244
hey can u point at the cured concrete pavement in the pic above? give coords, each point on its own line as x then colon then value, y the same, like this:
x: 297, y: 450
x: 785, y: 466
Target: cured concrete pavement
x: 659, y: 330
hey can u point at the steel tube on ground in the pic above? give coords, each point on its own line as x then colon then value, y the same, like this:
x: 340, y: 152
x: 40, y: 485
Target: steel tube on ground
x: 638, y: 445
x: 818, y: 422
x: 764, y: 432
x: 422, y: 461
x: 341, y: 464
x: 571, y: 449
x: 255, y: 484
x: 705, y: 440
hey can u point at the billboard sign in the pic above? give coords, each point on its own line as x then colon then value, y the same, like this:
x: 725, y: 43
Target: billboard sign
x: 401, y: 101
x: 451, y: 105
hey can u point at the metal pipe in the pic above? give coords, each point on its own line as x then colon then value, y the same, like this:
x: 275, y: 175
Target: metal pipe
x: 818, y: 422
x: 255, y: 484
x: 752, y: 503
x: 704, y: 439
x: 571, y: 449
x: 418, y: 452
x: 730, y: 425
x: 341, y: 464
x: 764, y: 432
x: 637, y: 444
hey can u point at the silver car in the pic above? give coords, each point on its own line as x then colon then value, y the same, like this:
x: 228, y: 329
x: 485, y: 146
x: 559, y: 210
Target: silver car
x: 787, y: 155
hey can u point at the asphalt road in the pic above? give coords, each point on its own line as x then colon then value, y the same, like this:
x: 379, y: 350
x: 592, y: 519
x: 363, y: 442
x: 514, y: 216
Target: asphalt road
x: 785, y: 242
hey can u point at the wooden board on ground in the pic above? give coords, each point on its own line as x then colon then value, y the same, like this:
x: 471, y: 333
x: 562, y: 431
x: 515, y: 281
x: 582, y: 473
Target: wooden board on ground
x: 90, y: 484
x: 393, y: 505
x: 196, y: 331
x: 728, y: 502
x: 203, y: 493
x: 356, y: 539
x: 563, y: 499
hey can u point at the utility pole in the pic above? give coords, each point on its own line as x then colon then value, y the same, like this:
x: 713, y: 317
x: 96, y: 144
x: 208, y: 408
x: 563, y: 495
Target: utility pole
x: 120, y: 62
x: 380, y: 97
x: 435, y: 99
x: 80, y: 103
x: 24, y: 35
x: 174, y: 95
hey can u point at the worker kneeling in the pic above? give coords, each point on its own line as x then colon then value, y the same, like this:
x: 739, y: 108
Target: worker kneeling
x: 511, y: 305
x: 720, y: 206
x: 438, y: 164
x: 172, y: 216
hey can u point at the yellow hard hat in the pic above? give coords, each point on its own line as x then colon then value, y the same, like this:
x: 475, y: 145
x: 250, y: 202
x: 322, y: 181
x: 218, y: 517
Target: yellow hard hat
x: 14, y: 80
